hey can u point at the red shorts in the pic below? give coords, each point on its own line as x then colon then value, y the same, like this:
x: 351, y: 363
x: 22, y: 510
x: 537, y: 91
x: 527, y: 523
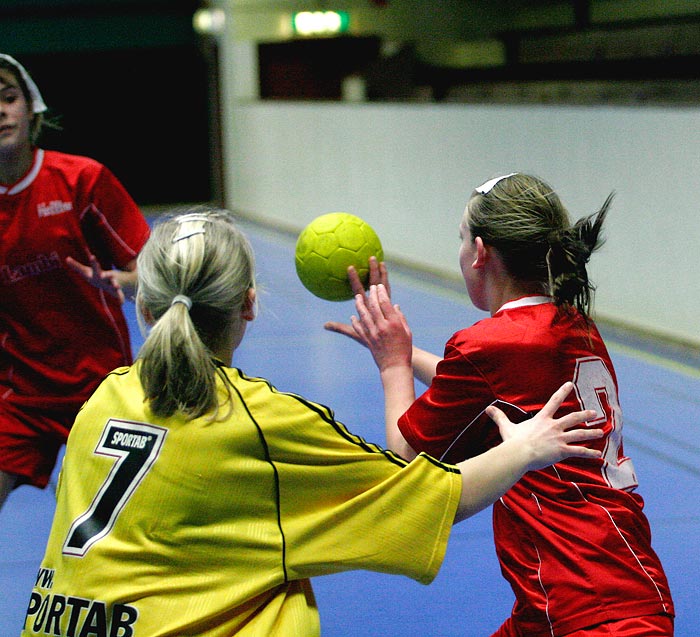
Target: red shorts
x: 30, y: 439
x: 647, y: 626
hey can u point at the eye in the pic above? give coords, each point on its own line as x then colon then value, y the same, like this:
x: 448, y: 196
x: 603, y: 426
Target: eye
x: 9, y: 97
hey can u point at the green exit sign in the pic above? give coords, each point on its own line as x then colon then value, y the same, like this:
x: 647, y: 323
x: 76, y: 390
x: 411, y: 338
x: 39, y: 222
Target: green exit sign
x: 320, y: 22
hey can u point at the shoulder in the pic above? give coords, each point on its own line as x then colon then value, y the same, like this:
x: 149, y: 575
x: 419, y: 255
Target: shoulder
x: 118, y: 381
x: 78, y: 171
x: 121, y: 376
x: 254, y: 390
x: 86, y: 177
x: 483, y: 334
x: 118, y: 386
x: 520, y: 329
x: 286, y: 417
x: 64, y: 161
x: 259, y: 394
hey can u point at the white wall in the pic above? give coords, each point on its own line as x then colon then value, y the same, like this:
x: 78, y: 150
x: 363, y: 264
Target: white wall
x: 408, y: 169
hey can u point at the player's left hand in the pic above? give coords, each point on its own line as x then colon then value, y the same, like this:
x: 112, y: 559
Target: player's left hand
x: 378, y: 273
x: 547, y: 439
x: 93, y: 273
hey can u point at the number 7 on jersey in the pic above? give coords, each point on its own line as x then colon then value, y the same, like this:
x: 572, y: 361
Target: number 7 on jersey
x: 135, y: 447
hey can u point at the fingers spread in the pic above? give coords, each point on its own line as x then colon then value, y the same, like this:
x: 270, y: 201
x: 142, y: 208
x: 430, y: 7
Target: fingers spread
x: 576, y: 418
x: 582, y: 435
x: 495, y: 414
x: 374, y: 304
x: 383, y: 296
x: 355, y: 283
x: 558, y: 397
x: 359, y: 327
x: 339, y: 328
x: 375, y: 277
x: 573, y: 451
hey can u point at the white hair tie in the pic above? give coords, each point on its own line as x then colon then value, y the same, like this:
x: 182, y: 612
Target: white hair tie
x: 488, y: 185
x: 181, y: 298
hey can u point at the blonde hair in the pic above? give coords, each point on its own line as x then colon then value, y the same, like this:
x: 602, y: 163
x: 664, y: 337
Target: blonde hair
x: 524, y: 219
x: 204, y: 260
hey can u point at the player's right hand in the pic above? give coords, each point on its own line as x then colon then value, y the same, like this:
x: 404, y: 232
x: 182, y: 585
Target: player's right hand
x: 93, y: 273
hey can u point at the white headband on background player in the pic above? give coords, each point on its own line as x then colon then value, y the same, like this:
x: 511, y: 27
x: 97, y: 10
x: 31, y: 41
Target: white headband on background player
x: 38, y: 105
x: 488, y: 185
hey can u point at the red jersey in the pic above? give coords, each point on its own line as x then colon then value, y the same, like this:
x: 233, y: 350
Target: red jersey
x: 59, y: 335
x: 572, y: 539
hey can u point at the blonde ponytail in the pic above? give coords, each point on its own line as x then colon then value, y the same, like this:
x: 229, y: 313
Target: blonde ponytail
x: 194, y: 274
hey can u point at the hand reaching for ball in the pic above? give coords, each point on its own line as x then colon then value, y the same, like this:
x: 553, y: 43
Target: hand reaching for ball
x: 378, y: 274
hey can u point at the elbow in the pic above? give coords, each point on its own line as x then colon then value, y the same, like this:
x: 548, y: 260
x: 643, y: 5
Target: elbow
x: 400, y: 447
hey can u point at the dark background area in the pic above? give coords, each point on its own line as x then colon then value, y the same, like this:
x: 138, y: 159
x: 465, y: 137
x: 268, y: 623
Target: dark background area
x: 128, y: 83
x: 132, y: 84
x: 313, y: 68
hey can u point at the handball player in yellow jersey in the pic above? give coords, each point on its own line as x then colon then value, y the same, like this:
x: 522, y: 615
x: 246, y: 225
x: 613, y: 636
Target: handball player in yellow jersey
x: 197, y: 500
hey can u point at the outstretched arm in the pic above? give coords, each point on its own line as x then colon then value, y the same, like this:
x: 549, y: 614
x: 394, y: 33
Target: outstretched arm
x: 119, y: 283
x: 533, y: 444
x: 382, y: 328
x: 424, y: 365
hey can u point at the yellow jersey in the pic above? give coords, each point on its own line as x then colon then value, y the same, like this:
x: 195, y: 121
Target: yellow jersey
x: 168, y: 527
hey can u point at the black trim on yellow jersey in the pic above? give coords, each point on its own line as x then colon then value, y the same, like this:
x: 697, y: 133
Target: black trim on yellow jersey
x: 272, y: 464
x: 326, y: 414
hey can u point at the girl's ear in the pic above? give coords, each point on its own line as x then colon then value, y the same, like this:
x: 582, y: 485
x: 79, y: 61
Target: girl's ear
x: 482, y: 253
x: 145, y: 312
x: 248, y: 312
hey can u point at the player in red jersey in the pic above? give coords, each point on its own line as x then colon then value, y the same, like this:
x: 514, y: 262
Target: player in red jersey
x: 573, y: 540
x: 195, y: 499
x: 69, y: 236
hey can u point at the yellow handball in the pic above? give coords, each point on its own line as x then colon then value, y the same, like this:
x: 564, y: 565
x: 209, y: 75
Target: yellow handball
x: 325, y: 249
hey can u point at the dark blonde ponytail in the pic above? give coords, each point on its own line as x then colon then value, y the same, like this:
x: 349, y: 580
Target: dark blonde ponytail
x: 567, y: 258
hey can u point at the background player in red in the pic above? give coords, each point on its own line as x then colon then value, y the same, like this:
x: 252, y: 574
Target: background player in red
x: 572, y: 539
x: 197, y: 500
x: 69, y: 236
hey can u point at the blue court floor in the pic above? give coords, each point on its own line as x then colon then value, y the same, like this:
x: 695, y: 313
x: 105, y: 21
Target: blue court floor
x: 660, y: 396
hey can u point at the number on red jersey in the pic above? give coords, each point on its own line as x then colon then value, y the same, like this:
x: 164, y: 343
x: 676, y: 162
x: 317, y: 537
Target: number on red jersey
x: 595, y: 388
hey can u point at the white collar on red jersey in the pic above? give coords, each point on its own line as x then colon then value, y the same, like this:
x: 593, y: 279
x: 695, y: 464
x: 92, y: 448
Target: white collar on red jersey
x: 524, y: 302
x: 13, y: 189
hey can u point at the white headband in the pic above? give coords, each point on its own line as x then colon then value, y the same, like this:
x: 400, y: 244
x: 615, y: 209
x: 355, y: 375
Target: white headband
x: 488, y: 185
x: 191, y: 224
x: 38, y: 105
